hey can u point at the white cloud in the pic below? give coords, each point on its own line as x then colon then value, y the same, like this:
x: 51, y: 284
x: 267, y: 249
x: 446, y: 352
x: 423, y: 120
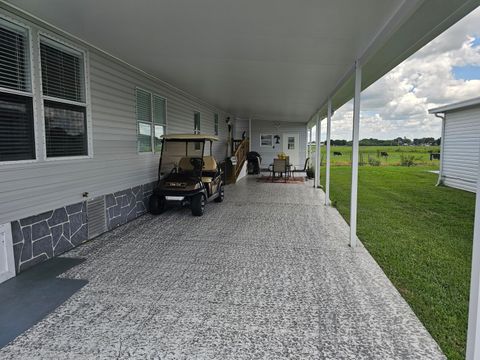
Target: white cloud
x: 397, y: 104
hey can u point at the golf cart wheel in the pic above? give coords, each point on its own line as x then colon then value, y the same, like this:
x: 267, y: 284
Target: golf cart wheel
x: 221, y: 194
x: 198, y: 205
x: 156, y: 204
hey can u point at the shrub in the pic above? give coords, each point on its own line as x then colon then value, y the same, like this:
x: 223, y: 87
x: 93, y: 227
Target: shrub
x: 373, y: 162
x: 407, y: 160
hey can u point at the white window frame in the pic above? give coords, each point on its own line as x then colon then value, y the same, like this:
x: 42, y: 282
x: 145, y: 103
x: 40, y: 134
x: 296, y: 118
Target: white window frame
x: 195, y: 131
x: 6, y: 21
x: 152, y: 122
x: 55, y: 41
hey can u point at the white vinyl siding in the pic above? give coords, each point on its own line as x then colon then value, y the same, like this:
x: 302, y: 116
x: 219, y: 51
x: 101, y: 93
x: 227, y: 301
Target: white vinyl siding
x: 461, y: 149
x: 241, y: 126
x: 31, y: 188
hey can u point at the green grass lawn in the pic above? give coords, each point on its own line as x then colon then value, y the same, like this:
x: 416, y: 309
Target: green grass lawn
x: 420, y: 153
x: 421, y: 236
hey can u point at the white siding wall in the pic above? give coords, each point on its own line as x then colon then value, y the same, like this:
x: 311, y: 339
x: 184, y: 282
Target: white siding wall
x: 277, y: 128
x: 31, y: 188
x: 461, y: 149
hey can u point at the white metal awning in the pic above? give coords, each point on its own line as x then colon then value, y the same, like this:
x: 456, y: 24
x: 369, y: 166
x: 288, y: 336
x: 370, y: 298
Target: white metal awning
x: 260, y: 59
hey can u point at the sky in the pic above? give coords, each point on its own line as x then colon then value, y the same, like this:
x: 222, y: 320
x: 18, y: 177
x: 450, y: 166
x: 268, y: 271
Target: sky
x: 446, y: 70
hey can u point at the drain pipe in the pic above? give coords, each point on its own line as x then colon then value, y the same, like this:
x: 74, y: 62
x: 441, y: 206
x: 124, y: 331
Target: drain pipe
x: 442, y: 145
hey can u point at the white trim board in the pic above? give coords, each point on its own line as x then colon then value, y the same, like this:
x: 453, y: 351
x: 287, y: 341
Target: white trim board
x: 7, y: 262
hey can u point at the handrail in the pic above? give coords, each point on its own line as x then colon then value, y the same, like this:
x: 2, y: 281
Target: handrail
x: 241, y: 155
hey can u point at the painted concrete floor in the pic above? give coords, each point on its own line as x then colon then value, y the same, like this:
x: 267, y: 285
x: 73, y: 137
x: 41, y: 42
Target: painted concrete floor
x: 268, y: 274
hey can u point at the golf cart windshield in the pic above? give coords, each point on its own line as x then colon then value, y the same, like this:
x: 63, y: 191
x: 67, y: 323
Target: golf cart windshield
x: 177, y: 154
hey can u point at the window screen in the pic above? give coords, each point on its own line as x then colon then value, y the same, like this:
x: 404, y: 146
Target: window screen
x: 65, y: 129
x: 159, y: 111
x: 16, y: 128
x: 159, y: 120
x: 62, y: 73
x: 17, y: 139
x: 14, y: 63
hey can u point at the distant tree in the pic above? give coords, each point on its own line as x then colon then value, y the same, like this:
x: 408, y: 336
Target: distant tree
x: 339, y: 142
x: 394, y: 142
x: 406, y: 141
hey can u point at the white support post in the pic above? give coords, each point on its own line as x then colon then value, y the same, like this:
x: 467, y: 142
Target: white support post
x: 307, y: 145
x: 473, y: 334
x: 317, y: 153
x: 327, y: 140
x: 355, y: 148
x: 319, y: 142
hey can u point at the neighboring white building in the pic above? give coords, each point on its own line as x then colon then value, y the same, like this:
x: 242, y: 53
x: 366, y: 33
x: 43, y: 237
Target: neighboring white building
x: 460, y: 144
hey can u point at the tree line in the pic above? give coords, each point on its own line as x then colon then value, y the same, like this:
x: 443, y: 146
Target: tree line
x: 399, y: 141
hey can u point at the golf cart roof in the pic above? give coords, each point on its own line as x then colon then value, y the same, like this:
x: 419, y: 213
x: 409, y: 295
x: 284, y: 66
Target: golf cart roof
x: 190, y: 137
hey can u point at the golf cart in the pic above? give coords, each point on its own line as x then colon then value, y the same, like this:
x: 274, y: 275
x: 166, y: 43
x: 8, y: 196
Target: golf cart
x: 186, y: 175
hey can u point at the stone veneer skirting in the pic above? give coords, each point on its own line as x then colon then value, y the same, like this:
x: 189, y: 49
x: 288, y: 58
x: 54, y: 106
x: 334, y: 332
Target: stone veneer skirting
x: 126, y: 205
x: 40, y: 237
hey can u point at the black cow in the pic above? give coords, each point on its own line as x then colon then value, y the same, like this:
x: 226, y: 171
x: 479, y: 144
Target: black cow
x: 384, y: 154
x: 337, y: 153
x: 435, y: 156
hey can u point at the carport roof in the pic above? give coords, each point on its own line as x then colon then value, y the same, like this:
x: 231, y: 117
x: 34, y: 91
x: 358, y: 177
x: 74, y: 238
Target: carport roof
x: 268, y: 59
x: 456, y: 106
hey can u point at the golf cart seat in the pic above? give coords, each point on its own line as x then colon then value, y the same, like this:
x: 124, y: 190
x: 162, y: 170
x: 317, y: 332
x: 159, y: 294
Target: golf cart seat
x: 209, y: 169
x: 185, y: 164
x: 209, y: 164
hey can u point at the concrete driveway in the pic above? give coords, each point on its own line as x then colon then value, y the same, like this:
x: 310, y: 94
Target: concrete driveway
x: 267, y: 274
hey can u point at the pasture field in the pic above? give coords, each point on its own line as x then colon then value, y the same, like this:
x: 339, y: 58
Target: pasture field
x: 421, y: 155
x: 421, y: 236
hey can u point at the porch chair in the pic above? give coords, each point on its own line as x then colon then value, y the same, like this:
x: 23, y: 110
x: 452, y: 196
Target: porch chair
x: 305, y: 167
x: 279, y: 166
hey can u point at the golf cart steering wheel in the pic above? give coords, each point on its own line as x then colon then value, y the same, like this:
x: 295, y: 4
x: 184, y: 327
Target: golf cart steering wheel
x: 197, y: 163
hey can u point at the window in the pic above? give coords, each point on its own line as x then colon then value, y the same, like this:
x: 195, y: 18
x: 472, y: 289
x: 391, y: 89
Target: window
x: 151, y: 115
x: 196, y: 122
x: 291, y: 143
x: 159, y: 121
x: 63, y: 90
x: 17, y: 139
x: 215, y: 124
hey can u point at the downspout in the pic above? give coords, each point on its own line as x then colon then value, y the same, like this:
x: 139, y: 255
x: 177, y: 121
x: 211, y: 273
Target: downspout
x: 442, y: 144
